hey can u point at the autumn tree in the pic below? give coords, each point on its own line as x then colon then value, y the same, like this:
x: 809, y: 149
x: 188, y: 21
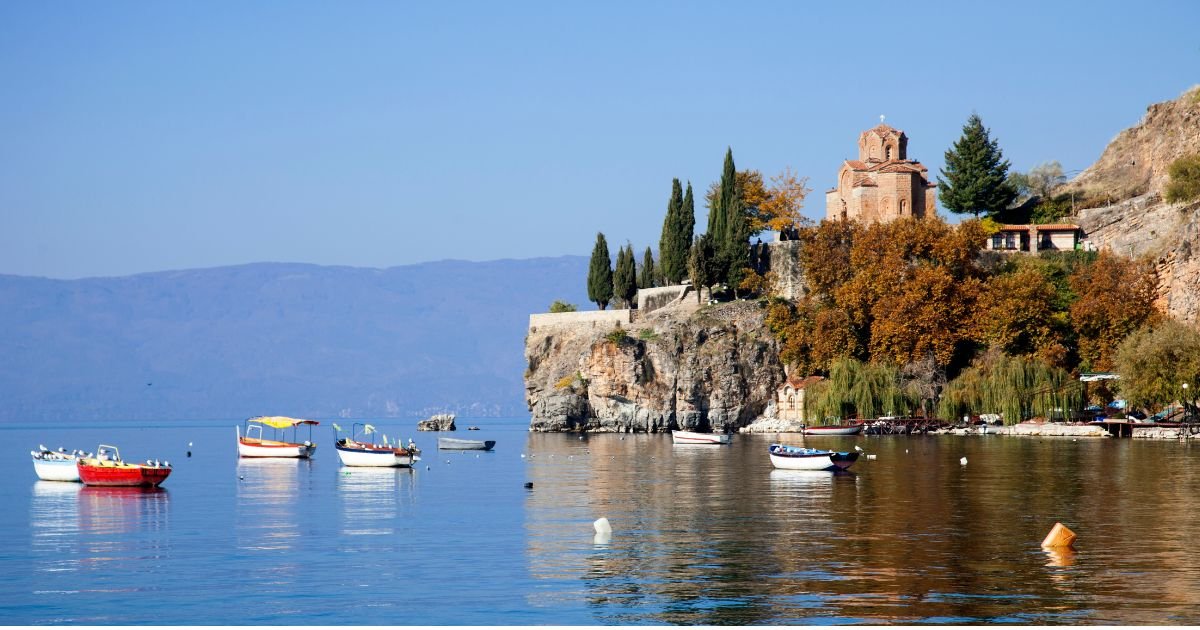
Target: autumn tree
x: 1155, y: 361
x: 1044, y: 178
x: 1116, y: 297
x: 976, y: 173
x: 647, y: 276
x: 1016, y: 314
x: 625, y: 277
x: 600, y: 275
x: 825, y: 256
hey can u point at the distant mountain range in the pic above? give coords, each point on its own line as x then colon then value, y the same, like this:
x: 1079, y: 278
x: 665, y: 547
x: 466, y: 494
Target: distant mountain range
x: 268, y: 338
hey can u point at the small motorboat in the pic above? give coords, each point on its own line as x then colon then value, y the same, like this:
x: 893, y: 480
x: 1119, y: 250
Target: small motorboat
x: 853, y: 428
x: 108, y: 469
x: 253, y: 444
x: 689, y: 437
x: 358, y: 452
x: 799, y: 458
x: 455, y: 444
x: 55, y: 465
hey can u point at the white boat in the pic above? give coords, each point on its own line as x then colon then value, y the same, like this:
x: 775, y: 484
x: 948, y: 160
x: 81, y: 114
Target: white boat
x: 354, y: 452
x: 457, y: 444
x: 55, y: 465
x: 688, y: 437
x: 853, y: 428
x: 799, y: 458
x: 253, y: 444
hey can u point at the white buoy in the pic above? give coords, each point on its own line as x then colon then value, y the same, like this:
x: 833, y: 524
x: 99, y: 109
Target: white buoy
x: 603, y: 531
x: 522, y: 455
x: 870, y: 457
x: 963, y: 461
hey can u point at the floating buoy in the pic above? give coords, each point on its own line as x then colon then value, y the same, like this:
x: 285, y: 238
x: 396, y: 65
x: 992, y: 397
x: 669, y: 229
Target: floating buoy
x: 963, y: 461
x: 603, y: 531
x: 870, y: 457
x: 1060, y: 536
x: 240, y: 477
x: 528, y: 484
x: 522, y: 455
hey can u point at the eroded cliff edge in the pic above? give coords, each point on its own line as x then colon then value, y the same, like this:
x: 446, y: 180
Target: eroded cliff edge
x: 683, y: 367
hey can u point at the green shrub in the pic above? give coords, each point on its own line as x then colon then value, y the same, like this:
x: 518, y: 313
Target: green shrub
x: 647, y: 334
x: 1185, y: 179
x: 563, y: 307
x: 617, y: 336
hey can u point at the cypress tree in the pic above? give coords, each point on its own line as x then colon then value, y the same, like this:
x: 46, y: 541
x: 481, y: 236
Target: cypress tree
x: 729, y: 229
x: 646, y: 280
x: 686, y: 232
x: 672, y: 256
x: 701, y: 263
x: 976, y: 173
x: 600, y: 275
x: 625, y: 277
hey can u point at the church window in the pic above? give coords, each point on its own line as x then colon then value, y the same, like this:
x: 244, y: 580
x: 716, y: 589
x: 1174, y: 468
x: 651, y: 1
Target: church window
x: 903, y: 206
x: 888, y: 155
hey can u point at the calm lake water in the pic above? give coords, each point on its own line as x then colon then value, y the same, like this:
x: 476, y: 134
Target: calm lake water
x: 702, y: 535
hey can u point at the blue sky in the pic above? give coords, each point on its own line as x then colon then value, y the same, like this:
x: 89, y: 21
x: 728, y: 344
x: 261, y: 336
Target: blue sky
x: 144, y: 136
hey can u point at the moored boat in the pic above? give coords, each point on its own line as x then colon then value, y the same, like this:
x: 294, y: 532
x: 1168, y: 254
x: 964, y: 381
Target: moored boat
x: 799, y: 458
x: 689, y: 437
x: 55, y: 465
x: 107, y: 468
x: 355, y: 452
x: 853, y: 428
x: 456, y: 444
x: 253, y: 444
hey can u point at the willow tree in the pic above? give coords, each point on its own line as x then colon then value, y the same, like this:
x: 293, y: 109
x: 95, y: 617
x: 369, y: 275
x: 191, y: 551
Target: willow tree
x: 1016, y: 388
x: 857, y: 388
x: 1155, y: 363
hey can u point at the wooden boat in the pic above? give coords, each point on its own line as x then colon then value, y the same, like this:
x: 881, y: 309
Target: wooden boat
x: 108, y: 469
x: 853, y: 428
x: 55, y: 465
x: 688, y: 437
x: 455, y: 444
x: 799, y: 458
x: 253, y: 444
x: 353, y: 451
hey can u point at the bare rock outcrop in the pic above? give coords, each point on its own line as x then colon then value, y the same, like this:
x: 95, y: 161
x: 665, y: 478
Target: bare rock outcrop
x: 715, y: 368
x: 438, y: 422
x: 1135, y: 220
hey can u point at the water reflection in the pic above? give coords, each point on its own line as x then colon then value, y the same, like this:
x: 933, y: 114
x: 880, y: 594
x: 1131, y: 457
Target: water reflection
x: 54, y: 525
x: 267, y: 503
x: 714, y: 535
x: 370, y: 498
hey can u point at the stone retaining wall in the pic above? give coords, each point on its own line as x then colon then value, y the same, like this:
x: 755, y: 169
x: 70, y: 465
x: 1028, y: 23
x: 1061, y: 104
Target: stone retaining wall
x: 581, y: 319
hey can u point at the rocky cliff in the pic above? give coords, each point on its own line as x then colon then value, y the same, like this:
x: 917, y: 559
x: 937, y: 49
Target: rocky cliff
x: 1131, y: 217
x: 711, y: 368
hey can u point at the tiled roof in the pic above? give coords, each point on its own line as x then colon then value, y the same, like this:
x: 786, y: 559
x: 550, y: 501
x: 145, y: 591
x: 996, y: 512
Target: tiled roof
x: 1041, y: 228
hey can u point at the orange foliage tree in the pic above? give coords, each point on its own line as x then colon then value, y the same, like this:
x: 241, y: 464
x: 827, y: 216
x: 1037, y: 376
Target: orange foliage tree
x: 768, y: 207
x: 1115, y: 298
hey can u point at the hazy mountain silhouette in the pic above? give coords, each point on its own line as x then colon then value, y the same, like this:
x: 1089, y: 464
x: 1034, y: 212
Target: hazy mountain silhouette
x: 267, y: 338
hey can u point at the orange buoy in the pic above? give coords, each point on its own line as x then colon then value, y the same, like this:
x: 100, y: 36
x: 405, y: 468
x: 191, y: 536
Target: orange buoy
x: 1060, y: 536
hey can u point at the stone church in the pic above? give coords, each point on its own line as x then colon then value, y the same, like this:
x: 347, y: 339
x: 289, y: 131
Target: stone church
x: 882, y: 184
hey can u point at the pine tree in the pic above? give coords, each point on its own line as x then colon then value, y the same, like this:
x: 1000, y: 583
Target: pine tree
x: 600, y: 275
x: 672, y: 256
x: 976, y: 173
x: 646, y: 279
x: 625, y: 277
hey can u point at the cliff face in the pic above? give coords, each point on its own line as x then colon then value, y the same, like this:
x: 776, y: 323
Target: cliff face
x: 1132, y: 173
x: 713, y: 368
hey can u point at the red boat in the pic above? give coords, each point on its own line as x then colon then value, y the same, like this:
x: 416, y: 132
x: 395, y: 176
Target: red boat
x: 852, y: 428
x: 108, y: 469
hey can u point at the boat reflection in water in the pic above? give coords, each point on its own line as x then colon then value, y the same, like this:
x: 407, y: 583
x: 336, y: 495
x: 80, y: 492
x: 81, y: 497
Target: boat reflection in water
x: 370, y: 499
x: 267, y: 493
x: 123, y: 509
x: 54, y: 526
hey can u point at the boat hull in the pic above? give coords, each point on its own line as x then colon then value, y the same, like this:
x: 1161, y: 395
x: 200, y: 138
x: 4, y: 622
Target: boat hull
x: 688, y: 437
x: 455, y: 444
x: 853, y: 429
x: 252, y: 447
x: 790, y: 458
x: 373, y: 457
x: 56, y: 469
x: 125, y: 475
